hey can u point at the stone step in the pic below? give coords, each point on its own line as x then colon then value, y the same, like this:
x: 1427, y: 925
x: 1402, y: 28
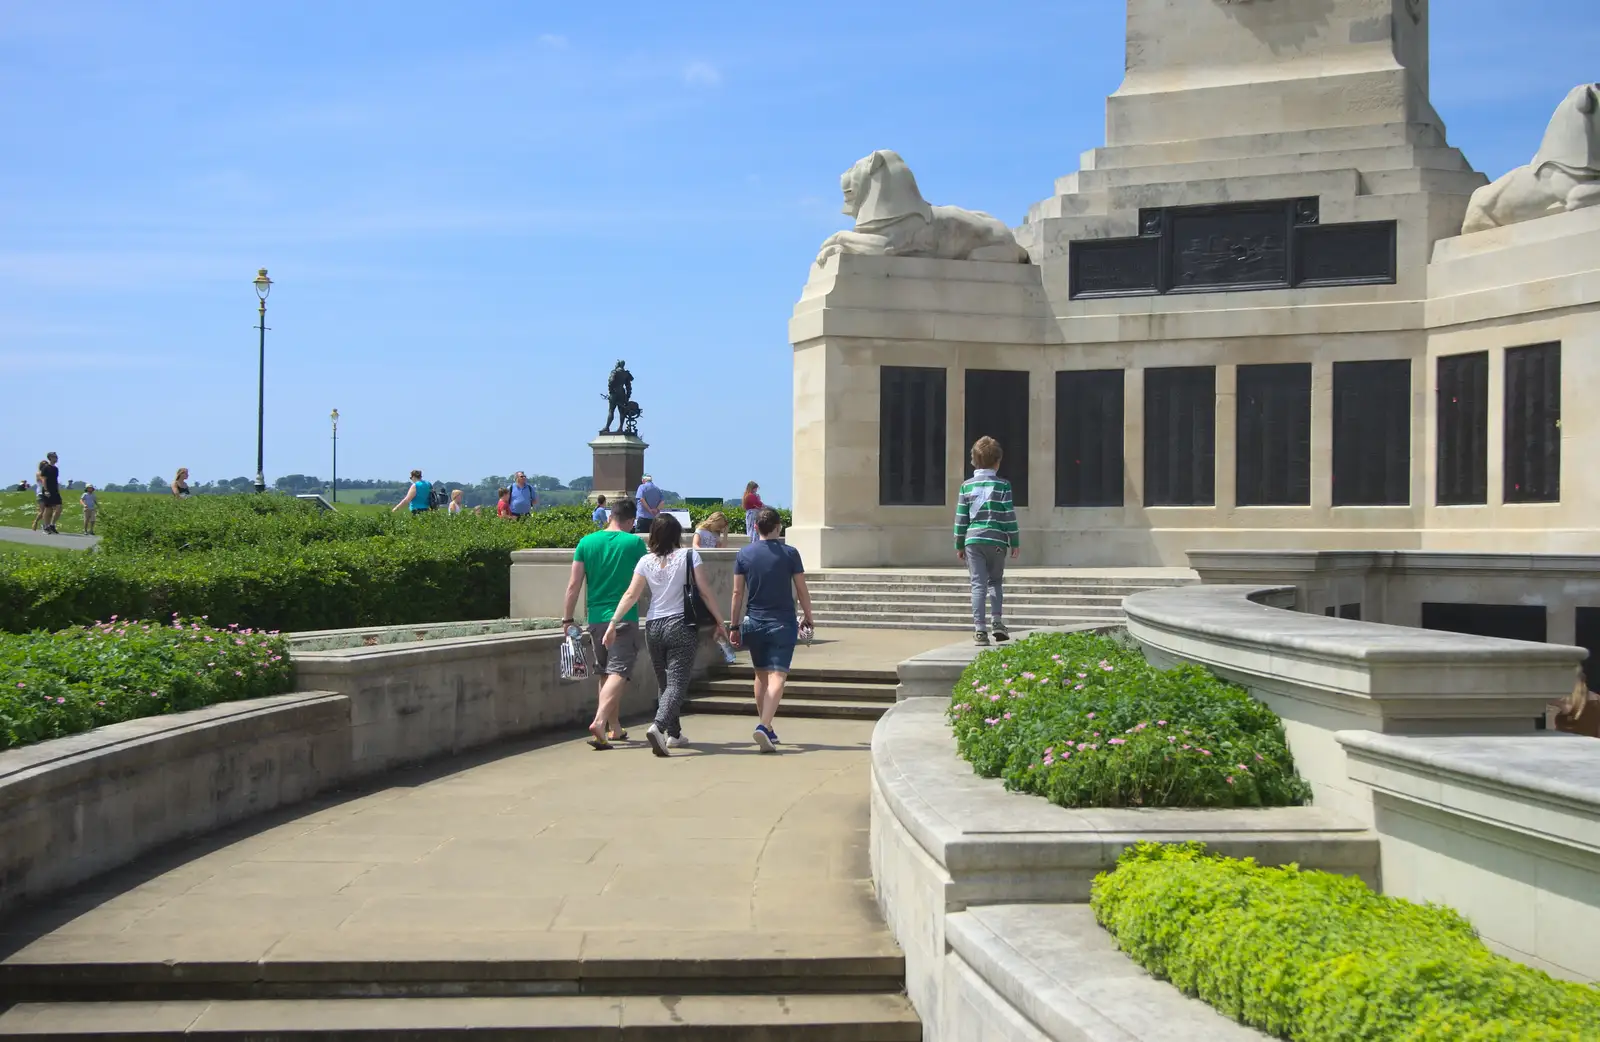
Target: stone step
x: 1366, y: 160
x: 701, y: 1018
x: 1247, y: 146
x: 742, y: 671
x: 690, y: 964
x: 811, y: 708
x: 826, y: 690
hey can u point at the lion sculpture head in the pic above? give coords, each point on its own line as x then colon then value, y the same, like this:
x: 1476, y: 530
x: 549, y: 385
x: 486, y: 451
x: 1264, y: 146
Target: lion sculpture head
x: 880, y: 189
x: 1572, y: 141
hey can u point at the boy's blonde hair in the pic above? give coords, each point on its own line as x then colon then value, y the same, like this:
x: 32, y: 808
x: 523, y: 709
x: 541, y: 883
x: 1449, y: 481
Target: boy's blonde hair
x: 986, y: 453
x: 717, y: 523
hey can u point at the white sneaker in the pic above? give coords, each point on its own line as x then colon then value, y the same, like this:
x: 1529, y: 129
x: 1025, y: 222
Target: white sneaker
x: 678, y: 742
x: 657, y: 740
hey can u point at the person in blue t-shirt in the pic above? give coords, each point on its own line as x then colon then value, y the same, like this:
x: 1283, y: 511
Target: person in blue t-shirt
x: 416, y: 496
x: 767, y: 577
x: 649, y: 499
x: 524, y: 497
x: 602, y: 516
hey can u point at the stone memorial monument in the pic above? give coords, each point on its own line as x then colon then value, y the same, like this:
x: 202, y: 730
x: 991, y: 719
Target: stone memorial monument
x: 618, y: 454
x: 1249, y: 320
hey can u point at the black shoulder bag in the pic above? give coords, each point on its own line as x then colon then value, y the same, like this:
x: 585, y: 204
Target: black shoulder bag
x: 695, y: 611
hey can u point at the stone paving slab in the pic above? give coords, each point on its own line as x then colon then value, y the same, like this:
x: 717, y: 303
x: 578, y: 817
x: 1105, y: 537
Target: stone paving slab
x: 533, y: 852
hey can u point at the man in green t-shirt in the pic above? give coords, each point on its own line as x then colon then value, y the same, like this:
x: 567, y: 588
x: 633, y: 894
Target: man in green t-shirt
x: 604, y: 560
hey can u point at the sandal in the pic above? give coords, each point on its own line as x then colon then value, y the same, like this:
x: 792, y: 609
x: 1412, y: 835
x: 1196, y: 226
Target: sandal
x: 597, y: 738
x: 619, y: 736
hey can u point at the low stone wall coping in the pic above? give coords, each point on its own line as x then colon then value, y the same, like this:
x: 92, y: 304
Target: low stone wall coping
x: 407, y: 654
x: 1235, y: 614
x: 1061, y: 970
x: 973, y: 826
x: 1563, y: 767
x: 1440, y: 561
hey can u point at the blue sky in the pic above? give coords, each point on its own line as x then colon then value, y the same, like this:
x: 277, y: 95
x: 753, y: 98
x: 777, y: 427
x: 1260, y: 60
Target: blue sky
x: 471, y: 211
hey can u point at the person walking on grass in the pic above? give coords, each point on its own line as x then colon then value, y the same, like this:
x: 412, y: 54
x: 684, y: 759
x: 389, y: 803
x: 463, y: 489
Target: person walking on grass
x: 648, y: 499
x: 752, y: 507
x: 602, y: 568
x: 524, y: 497
x: 91, y: 507
x: 986, y: 528
x: 669, y: 630
x: 767, y: 577
x: 417, y: 496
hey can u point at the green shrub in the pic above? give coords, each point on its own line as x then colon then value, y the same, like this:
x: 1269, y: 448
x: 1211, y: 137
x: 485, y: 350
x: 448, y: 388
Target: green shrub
x: 734, y: 515
x: 1316, y: 957
x: 62, y: 683
x: 1085, y: 721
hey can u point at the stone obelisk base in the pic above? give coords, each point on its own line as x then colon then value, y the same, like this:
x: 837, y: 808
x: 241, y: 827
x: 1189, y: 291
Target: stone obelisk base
x: 618, y: 466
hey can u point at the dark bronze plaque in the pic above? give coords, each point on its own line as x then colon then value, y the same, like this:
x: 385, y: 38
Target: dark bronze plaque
x: 1235, y: 246
x: 1115, y: 267
x: 1230, y: 247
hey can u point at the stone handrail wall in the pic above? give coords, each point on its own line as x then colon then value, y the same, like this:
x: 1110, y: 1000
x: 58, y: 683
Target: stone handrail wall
x: 539, y: 582
x: 75, y: 807
x: 1505, y: 830
x: 1323, y: 675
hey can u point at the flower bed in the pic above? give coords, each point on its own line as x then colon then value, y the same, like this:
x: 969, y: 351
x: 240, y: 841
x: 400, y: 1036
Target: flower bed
x: 56, y: 684
x: 1085, y: 721
x: 1316, y: 957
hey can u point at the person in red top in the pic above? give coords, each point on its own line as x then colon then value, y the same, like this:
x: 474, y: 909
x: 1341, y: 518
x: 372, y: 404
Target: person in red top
x: 504, y: 507
x: 752, y: 506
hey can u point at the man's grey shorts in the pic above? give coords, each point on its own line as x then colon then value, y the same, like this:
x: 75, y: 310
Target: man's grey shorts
x: 619, y: 658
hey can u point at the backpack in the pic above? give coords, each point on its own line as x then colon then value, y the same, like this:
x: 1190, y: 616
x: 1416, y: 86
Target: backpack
x: 438, y: 496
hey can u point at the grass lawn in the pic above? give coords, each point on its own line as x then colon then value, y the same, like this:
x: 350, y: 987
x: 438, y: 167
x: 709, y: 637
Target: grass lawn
x: 17, y: 509
x: 30, y: 550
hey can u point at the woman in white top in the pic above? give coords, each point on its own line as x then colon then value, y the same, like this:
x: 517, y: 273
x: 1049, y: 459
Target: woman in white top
x: 456, y: 497
x: 710, y: 534
x: 671, y: 637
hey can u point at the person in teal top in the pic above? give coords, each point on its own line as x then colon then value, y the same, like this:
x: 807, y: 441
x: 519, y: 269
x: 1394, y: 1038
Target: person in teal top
x: 603, y: 562
x: 986, y: 527
x: 417, y: 495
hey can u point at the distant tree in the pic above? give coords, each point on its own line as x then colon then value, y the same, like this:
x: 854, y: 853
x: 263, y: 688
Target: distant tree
x: 545, y: 483
x: 160, y: 484
x: 134, y: 484
x: 583, y: 484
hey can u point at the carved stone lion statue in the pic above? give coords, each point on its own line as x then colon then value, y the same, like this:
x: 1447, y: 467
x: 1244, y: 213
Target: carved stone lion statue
x: 1565, y: 175
x: 893, y: 219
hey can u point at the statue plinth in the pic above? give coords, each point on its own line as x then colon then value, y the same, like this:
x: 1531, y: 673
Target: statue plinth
x: 618, y: 465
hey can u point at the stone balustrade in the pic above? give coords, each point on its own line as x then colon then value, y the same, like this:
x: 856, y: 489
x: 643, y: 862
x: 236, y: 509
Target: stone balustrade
x: 1324, y: 675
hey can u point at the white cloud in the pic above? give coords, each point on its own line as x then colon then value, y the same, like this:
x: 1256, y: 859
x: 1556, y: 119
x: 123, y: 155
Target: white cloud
x: 701, y: 74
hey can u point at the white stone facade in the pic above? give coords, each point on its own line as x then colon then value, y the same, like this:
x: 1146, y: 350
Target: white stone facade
x: 1294, y: 100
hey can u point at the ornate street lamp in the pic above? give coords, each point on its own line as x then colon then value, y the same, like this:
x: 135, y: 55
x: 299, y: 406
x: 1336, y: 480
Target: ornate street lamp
x: 335, y: 417
x: 263, y: 287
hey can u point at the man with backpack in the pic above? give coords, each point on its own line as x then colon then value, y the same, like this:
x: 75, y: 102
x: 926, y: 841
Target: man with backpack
x: 524, y: 497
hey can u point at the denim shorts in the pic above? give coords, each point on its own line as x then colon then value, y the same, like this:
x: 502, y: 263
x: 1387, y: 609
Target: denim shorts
x: 771, y: 644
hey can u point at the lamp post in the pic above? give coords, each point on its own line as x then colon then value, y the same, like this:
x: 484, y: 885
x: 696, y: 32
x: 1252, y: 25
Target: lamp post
x: 335, y: 417
x: 263, y: 287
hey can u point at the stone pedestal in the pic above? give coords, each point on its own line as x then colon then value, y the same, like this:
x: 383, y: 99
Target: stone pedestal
x: 618, y: 466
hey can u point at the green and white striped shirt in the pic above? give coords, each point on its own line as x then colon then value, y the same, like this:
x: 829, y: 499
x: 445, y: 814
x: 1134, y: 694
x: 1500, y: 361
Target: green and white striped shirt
x: 984, y: 513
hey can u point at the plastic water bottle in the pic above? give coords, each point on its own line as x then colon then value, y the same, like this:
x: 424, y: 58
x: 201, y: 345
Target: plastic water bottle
x: 728, y: 655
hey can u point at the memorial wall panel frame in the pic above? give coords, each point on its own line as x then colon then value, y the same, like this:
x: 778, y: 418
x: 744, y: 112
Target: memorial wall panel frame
x: 1090, y: 459
x: 1272, y: 458
x: 1462, y: 415
x: 1372, y: 433
x: 1180, y: 436
x: 911, y: 436
x: 996, y: 406
x: 1532, y: 460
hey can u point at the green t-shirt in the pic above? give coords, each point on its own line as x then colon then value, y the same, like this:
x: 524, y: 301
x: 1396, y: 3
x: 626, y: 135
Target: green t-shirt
x: 608, y: 558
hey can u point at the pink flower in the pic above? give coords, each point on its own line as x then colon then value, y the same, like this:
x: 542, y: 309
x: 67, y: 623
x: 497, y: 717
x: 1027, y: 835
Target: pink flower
x: 1188, y: 747
x: 21, y: 684
x: 1230, y: 779
x: 1082, y: 746
x: 1029, y: 676
x: 1091, y: 716
x: 61, y: 701
x: 1205, y: 752
x: 1172, y: 739
x: 1161, y: 723
x: 994, y: 698
x: 208, y: 640
x: 1008, y: 716
x: 113, y: 618
x: 1050, y: 750
x: 1119, y: 741
x: 1077, y: 687
x: 237, y: 673
x: 1083, y: 676
x: 991, y: 720
x: 1259, y: 758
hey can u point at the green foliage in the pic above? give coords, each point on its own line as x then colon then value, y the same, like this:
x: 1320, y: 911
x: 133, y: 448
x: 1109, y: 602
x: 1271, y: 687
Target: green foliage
x: 1315, y: 957
x: 62, y: 683
x: 735, y: 515
x: 1085, y: 721
x: 275, y: 562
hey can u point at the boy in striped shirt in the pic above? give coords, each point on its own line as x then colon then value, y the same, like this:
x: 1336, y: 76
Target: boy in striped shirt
x: 986, y: 526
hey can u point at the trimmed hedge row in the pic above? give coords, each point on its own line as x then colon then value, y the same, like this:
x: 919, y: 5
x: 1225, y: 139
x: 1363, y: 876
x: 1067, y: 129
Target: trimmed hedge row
x: 1315, y: 957
x: 1086, y: 721
x: 58, y: 684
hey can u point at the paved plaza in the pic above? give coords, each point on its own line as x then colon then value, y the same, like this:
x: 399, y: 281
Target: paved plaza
x: 545, y: 850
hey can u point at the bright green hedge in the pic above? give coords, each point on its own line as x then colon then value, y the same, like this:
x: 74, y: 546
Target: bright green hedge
x: 1085, y: 721
x: 1315, y: 957
x: 57, y: 684
x: 734, y: 515
x: 273, y: 562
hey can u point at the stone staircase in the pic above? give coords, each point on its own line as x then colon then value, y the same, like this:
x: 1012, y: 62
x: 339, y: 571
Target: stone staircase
x: 790, y: 994
x: 857, y: 694
x: 942, y: 600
